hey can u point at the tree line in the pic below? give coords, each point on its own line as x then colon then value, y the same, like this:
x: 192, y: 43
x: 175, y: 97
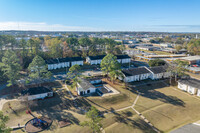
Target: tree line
x: 17, y: 55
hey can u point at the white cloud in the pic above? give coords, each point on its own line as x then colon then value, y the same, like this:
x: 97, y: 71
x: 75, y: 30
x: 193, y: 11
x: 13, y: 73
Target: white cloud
x: 42, y: 26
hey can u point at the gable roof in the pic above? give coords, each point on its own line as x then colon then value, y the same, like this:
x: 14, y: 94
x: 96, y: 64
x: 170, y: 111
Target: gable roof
x: 99, y: 57
x: 60, y: 60
x: 35, y: 91
x: 135, y: 71
x: 76, y: 59
x: 64, y: 59
x: 85, y: 85
x: 191, y: 82
x: 52, y: 61
x: 158, y: 69
x: 122, y: 56
x: 102, y: 56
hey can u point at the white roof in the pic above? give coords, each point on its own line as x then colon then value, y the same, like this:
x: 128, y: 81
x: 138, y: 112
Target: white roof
x: 191, y: 58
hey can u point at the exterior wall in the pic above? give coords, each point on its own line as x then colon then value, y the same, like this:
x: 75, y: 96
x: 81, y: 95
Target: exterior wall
x: 99, y: 61
x: 182, y: 86
x: 126, y: 60
x: 40, y: 96
x: 119, y: 60
x: 55, y: 66
x: 144, y: 76
x: 157, y: 76
x: 59, y: 65
x: 66, y: 64
x: 191, y: 90
x: 132, y: 78
x: 76, y: 62
x: 167, y: 74
x: 62, y: 64
x: 50, y: 66
x: 92, y: 90
x: 198, y: 92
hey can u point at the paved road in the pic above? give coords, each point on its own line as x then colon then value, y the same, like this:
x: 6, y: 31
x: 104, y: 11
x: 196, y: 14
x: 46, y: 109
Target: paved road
x: 189, y: 128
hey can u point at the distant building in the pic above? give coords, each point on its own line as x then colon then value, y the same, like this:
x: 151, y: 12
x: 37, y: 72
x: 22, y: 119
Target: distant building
x: 190, y: 85
x: 192, y: 59
x: 63, y: 62
x: 142, y: 73
x: 148, y: 48
x: 166, y: 45
x: 94, y: 60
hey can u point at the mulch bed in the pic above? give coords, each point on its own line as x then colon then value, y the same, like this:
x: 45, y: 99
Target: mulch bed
x: 33, y: 129
x: 64, y: 123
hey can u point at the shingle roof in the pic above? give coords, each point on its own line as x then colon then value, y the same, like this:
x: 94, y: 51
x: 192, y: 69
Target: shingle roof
x: 122, y: 56
x: 102, y: 56
x: 35, y: 91
x: 85, y: 85
x: 191, y: 82
x: 158, y: 69
x: 99, y: 57
x: 135, y: 71
x: 64, y: 59
x: 58, y: 60
x: 51, y: 61
x: 76, y: 59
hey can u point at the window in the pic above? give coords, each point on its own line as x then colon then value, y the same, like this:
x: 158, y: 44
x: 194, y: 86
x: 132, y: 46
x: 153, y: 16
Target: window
x: 88, y: 91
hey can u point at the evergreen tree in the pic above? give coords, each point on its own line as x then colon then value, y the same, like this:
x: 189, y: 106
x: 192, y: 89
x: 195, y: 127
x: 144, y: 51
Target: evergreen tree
x: 10, y: 66
x: 94, y: 122
x: 38, y: 69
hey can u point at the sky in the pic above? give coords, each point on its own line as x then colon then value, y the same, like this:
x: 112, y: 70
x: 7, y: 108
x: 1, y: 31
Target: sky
x: 100, y: 15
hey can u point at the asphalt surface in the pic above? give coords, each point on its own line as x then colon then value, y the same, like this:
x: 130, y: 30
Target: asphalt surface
x: 189, y: 128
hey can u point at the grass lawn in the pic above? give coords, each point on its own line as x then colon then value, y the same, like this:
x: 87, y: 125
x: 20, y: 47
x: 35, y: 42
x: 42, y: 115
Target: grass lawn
x: 158, y: 52
x: 197, y: 76
x: 167, y: 108
x: 124, y: 99
x: 126, y: 121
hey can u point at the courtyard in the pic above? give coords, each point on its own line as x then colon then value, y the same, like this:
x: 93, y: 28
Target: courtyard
x: 164, y: 106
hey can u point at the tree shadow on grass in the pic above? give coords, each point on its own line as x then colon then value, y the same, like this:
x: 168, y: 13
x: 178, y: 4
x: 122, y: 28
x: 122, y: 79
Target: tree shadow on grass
x: 149, y: 91
x: 124, y: 118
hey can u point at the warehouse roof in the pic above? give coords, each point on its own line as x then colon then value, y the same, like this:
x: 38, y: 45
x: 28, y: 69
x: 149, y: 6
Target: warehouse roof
x: 191, y: 58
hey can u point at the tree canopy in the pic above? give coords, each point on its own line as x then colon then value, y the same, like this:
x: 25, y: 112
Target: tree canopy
x: 178, y: 68
x: 109, y: 63
x: 94, y: 122
x: 194, y: 46
x: 156, y: 62
x: 10, y: 66
x: 38, y: 68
